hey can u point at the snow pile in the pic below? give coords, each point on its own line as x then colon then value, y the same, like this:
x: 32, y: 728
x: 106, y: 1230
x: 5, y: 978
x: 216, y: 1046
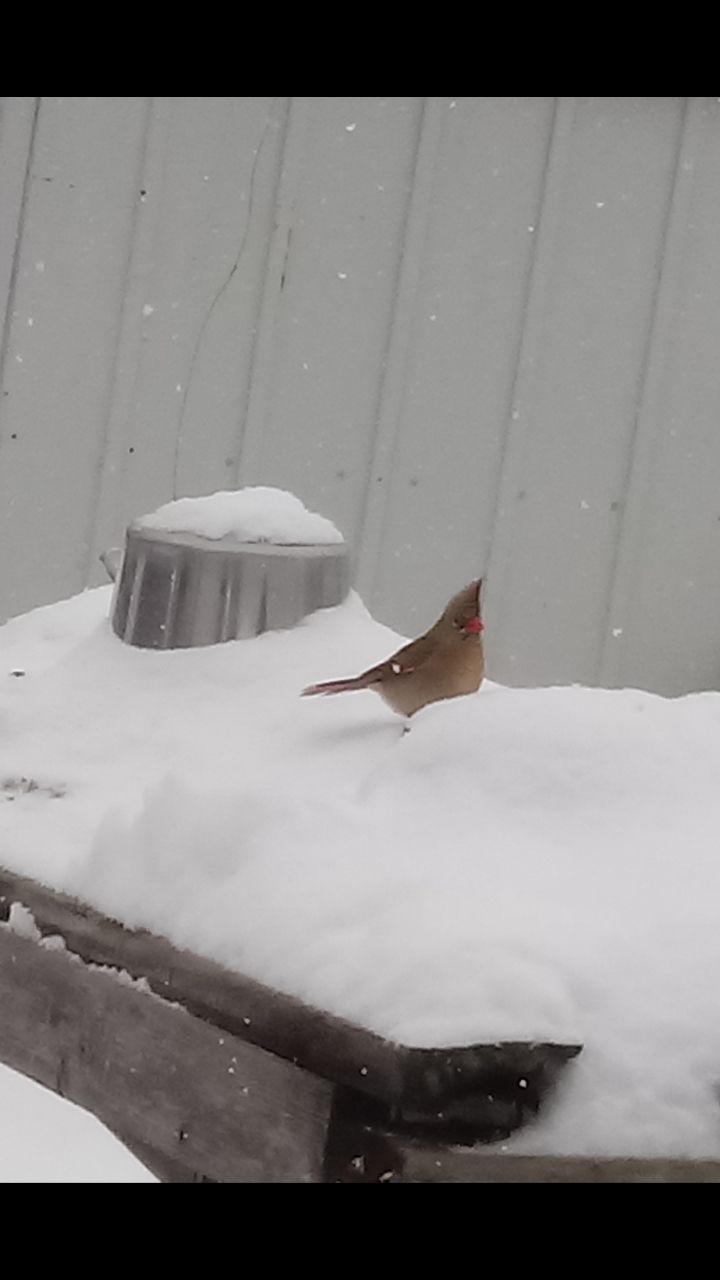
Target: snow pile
x: 523, y: 864
x: 256, y: 514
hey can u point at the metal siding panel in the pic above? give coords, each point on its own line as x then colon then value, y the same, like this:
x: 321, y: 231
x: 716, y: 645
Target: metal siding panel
x: 265, y: 335
x: 312, y: 430
x: 471, y: 299
x: 372, y: 551
x: 601, y: 235
x: 17, y: 125
x: 668, y: 604
x: 61, y: 340
x: 190, y: 313
x: 511, y: 321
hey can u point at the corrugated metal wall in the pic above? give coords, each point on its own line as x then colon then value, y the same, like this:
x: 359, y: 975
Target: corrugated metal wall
x: 481, y: 334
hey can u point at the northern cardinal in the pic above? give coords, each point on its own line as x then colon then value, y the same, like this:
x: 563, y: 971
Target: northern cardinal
x: 444, y: 663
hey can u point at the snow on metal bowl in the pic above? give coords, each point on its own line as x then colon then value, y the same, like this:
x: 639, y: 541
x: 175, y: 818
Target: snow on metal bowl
x: 238, y: 564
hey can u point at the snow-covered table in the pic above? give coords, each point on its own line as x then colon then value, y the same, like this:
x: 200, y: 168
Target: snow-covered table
x: 524, y: 866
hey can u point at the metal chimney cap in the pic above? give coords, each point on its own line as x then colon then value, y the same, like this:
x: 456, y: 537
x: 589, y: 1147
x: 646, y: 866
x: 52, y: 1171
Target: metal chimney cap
x: 179, y: 589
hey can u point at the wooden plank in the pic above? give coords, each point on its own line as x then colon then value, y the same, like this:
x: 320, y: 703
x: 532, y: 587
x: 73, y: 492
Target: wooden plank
x: 233, y: 1002
x: 477, y: 1166
x: 415, y: 1163
x: 201, y: 1104
x: 362, y: 1149
x: 475, y: 1089
x: 424, y: 1165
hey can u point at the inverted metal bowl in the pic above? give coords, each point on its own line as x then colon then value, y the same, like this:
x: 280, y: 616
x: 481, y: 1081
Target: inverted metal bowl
x: 177, y: 590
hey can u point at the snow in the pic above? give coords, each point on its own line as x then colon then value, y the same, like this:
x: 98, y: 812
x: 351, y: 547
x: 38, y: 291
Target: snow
x: 47, y: 1139
x: 256, y: 514
x: 523, y: 864
x: 22, y: 922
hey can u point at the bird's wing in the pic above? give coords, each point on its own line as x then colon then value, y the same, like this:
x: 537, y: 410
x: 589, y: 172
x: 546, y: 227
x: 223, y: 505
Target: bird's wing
x: 407, y: 659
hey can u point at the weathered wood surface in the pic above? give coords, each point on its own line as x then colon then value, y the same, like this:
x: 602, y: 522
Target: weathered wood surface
x: 425, y: 1164
x: 476, y: 1166
x: 483, y: 1090
x: 363, y: 1149
x: 195, y: 1103
x: 231, y: 1001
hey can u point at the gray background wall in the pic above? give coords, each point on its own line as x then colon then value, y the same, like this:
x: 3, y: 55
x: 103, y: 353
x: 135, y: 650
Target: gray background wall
x: 481, y: 334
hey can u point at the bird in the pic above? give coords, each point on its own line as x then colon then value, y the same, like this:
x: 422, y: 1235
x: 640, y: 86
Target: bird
x: 446, y: 662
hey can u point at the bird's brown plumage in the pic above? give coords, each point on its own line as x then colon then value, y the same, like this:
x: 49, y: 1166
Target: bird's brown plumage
x: 446, y: 662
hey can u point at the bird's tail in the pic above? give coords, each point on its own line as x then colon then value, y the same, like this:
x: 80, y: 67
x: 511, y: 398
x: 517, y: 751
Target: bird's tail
x: 336, y: 686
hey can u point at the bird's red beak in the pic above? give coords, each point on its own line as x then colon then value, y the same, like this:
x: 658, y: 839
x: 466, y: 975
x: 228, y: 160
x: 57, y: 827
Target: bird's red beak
x: 474, y: 626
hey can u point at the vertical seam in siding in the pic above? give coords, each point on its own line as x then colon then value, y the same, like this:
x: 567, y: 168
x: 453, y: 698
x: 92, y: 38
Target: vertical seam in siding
x: 519, y: 413
x: 253, y: 423
x: 393, y: 379
x: 19, y: 230
x: 218, y: 295
x: 642, y: 447
x: 123, y: 376
x: 225, y: 284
